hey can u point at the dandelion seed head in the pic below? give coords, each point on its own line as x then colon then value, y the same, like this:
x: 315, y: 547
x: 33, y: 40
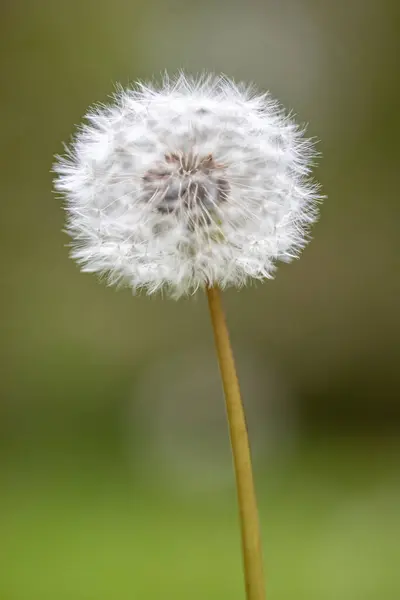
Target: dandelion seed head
x: 197, y: 182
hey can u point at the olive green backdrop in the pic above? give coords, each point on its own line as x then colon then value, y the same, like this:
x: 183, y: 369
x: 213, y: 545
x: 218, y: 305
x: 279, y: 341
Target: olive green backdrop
x: 114, y: 453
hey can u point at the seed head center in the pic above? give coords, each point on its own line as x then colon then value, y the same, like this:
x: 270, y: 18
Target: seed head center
x: 186, y: 182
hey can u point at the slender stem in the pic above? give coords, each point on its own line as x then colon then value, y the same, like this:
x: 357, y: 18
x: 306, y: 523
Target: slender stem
x: 250, y: 529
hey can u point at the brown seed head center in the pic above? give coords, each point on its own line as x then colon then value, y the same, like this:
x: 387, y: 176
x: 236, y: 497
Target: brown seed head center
x: 186, y: 181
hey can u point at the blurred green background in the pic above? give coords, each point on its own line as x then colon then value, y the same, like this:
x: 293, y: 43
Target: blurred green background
x: 116, y: 475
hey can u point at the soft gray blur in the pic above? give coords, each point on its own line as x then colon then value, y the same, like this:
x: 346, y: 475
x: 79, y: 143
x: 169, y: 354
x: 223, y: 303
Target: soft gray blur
x: 114, y: 447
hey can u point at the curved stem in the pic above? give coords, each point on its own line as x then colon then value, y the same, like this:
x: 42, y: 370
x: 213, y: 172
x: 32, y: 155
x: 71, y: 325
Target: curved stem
x: 250, y: 529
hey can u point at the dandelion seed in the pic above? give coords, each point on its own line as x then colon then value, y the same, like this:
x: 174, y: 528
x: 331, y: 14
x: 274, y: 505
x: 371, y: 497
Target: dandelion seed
x: 198, y: 182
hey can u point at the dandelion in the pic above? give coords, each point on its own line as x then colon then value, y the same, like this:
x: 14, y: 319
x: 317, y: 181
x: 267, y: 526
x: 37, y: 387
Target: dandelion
x: 198, y: 183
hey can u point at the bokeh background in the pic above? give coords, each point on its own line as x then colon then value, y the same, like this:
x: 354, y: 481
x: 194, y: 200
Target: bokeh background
x: 116, y: 474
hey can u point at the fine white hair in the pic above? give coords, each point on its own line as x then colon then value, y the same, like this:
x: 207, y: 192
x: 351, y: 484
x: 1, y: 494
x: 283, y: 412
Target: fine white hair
x: 200, y: 181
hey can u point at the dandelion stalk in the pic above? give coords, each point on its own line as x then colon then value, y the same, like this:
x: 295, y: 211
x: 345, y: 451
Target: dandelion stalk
x: 250, y: 528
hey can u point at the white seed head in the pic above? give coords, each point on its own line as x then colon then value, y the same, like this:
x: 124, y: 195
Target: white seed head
x: 197, y: 182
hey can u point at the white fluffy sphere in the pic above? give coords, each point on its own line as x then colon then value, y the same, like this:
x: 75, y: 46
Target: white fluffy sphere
x: 198, y: 182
